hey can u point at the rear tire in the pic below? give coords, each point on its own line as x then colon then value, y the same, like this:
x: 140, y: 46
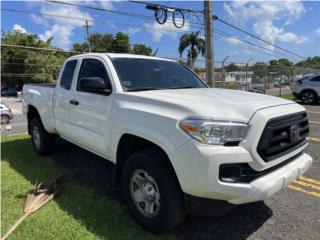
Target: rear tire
x: 42, y: 141
x: 5, y: 119
x: 157, y: 179
x: 308, y: 97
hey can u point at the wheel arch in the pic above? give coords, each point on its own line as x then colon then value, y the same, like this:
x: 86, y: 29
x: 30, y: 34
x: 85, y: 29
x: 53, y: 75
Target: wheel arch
x: 309, y: 90
x: 32, y: 112
x: 129, y: 144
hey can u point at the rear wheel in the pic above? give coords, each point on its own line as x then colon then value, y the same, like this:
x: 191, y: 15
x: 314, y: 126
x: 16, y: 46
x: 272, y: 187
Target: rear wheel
x: 42, y: 141
x: 308, y: 97
x: 151, y: 191
x: 5, y: 119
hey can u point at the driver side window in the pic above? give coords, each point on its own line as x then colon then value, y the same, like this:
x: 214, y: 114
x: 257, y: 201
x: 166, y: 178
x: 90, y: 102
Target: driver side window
x: 93, y: 68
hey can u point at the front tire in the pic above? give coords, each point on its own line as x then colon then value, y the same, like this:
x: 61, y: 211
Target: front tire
x: 42, y: 141
x: 308, y: 97
x: 151, y: 190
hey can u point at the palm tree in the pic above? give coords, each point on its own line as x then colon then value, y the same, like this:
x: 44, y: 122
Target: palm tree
x: 196, y: 44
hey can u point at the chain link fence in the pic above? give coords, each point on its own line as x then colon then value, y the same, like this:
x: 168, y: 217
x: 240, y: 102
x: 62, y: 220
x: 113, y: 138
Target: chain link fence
x: 269, y: 79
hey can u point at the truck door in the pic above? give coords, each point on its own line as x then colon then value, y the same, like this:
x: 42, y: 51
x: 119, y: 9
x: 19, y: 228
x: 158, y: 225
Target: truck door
x: 62, y: 97
x: 90, y: 110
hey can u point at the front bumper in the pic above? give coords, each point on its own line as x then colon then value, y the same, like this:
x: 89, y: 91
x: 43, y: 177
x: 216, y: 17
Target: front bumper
x: 197, y: 169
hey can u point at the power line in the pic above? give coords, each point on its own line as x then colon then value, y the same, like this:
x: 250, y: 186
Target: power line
x: 220, y: 32
x: 256, y: 37
x: 165, y: 6
x: 115, y: 11
x: 95, y: 20
x: 38, y: 48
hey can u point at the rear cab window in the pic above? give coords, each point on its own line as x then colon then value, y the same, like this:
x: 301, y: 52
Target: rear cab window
x: 67, y: 74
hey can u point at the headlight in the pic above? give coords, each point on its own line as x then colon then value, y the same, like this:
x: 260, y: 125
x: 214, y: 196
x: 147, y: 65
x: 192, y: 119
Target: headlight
x: 214, y: 132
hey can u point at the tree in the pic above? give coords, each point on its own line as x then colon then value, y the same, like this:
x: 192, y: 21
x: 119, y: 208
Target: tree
x: 21, y: 65
x: 232, y: 68
x: 99, y: 43
x: 120, y: 43
x: 196, y: 46
x: 311, y: 62
x: 142, y: 49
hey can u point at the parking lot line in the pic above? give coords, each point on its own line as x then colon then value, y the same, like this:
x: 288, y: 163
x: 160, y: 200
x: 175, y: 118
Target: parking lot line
x: 307, y: 185
x: 309, y: 180
x: 314, y: 122
x: 315, y: 194
x: 315, y: 139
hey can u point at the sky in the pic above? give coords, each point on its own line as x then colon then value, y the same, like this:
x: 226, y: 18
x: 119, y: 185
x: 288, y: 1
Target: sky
x: 292, y: 25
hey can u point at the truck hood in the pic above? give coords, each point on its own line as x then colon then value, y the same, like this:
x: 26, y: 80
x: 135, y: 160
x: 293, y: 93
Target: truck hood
x: 218, y: 104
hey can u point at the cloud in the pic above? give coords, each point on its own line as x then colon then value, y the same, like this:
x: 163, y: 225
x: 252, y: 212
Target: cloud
x: 38, y: 20
x: 17, y: 28
x: 168, y: 29
x: 107, y: 4
x: 61, y: 35
x: 61, y: 29
x: 266, y: 15
x: 232, y: 40
x: 317, y: 31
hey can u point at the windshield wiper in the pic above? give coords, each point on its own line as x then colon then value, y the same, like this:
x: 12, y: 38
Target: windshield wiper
x: 143, y: 89
x: 185, y: 86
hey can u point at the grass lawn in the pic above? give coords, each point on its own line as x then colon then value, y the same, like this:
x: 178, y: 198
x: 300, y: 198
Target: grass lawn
x: 288, y: 96
x: 78, y: 213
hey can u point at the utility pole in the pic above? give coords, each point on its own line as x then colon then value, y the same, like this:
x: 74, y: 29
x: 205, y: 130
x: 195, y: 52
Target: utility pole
x: 87, y: 26
x: 247, y: 65
x: 209, y: 43
x: 223, y: 74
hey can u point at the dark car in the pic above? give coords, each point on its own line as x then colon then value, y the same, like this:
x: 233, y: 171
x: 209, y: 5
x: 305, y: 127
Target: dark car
x: 258, y: 89
x: 9, y: 92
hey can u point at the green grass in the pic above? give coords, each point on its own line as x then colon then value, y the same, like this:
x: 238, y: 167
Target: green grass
x: 288, y: 96
x: 78, y: 213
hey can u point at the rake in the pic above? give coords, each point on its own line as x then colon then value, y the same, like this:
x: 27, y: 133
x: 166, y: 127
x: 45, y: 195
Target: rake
x: 41, y: 194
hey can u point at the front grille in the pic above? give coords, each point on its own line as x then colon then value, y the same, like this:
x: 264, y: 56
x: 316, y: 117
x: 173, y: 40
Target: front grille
x: 283, y: 135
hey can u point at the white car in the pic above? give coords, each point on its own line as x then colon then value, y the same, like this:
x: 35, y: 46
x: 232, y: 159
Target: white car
x: 308, y: 89
x: 177, y: 146
x: 6, y: 114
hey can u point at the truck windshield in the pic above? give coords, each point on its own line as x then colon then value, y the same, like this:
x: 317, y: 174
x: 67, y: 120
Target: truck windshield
x: 148, y: 74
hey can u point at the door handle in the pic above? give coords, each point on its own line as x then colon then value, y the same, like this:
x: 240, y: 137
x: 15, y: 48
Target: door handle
x: 74, y: 102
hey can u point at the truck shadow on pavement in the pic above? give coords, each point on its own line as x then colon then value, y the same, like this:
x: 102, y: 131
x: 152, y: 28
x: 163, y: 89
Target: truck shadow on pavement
x: 96, y: 173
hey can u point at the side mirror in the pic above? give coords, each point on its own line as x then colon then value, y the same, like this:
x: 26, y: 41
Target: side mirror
x: 94, y: 84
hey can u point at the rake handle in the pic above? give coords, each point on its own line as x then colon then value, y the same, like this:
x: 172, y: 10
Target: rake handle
x: 14, y: 226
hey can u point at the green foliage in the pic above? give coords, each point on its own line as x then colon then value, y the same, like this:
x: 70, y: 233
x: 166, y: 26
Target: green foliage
x: 311, y: 62
x: 196, y: 46
x: 19, y: 65
x: 141, y: 49
x: 120, y: 43
x: 232, y: 68
x: 99, y: 43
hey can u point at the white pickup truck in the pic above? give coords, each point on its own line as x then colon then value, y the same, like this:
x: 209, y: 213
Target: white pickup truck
x: 177, y: 146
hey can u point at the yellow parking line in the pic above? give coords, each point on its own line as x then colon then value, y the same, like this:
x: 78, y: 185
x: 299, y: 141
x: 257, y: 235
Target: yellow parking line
x: 307, y: 185
x: 313, y: 112
x: 314, y: 122
x: 315, y: 139
x: 315, y: 194
x: 309, y: 180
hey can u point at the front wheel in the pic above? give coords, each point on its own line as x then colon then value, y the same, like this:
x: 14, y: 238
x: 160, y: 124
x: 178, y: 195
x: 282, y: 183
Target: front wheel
x: 308, y: 97
x: 151, y: 191
x: 42, y: 141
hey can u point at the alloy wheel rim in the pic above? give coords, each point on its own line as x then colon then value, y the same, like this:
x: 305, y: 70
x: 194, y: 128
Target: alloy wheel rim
x: 145, y: 193
x: 308, y: 97
x: 36, y: 136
